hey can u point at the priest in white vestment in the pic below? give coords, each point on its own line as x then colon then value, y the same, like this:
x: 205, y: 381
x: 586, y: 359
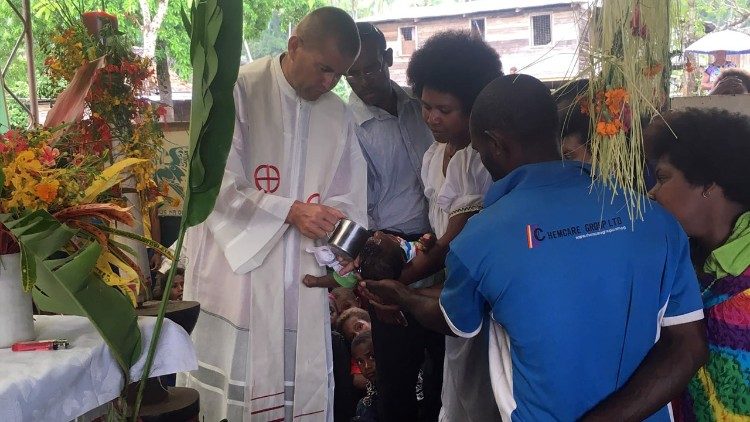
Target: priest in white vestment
x: 295, y: 168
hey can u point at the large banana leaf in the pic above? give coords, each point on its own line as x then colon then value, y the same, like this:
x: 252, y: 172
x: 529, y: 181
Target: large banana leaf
x: 216, y: 39
x: 66, y: 282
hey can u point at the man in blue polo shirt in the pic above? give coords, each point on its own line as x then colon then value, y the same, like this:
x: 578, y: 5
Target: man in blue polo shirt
x: 592, y: 317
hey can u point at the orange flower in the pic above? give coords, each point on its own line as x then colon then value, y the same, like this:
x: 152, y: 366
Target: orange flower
x: 47, y: 191
x: 616, y: 100
x: 608, y: 128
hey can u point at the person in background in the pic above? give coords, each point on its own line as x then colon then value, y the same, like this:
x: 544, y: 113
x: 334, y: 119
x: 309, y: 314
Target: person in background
x: 162, y: 272
x: 711, y: 74
x: 352, y: 322
x: 701, y: 168
x: 345, y: 299
x: 732, y: 81
x: 729, y: 86
x: 345, y: 395
x: 594, y: 317
x: 574, y: 124
x: 364, y: 355
x: 294, y: 169
x: 333, y: 309
x: 394, y: 138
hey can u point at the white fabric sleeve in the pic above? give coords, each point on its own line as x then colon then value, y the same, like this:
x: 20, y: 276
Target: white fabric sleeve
x: 466, y: 182
x: 348, y: 189
x: 429, y: 155
x: 246, y: 222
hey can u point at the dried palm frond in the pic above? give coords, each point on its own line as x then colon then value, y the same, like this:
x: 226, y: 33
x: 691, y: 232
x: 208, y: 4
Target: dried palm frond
x: 628, y: 60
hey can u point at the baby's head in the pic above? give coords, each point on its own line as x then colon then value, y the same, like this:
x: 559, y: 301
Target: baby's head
x: 382, y: 257
x: 363, y: 354
x: 353, y: 321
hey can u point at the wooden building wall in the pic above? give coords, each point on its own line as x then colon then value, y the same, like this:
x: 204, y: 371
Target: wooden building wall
x: 509, y: 33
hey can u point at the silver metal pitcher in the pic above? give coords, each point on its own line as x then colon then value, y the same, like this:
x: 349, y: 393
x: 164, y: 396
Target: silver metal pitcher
x: 348, y: 239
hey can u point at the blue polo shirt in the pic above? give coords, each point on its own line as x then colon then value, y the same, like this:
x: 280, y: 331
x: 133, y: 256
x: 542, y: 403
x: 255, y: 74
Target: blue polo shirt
x: 577, y: 294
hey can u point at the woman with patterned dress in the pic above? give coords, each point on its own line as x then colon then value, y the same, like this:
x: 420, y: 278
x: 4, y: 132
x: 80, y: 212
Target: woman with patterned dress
x: 702, y: 179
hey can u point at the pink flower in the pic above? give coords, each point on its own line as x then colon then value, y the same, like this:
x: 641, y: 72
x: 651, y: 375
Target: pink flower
x: 49, y: 155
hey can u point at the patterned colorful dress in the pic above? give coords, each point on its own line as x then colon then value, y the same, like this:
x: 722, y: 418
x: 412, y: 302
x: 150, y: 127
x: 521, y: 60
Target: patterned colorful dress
x: 720, y: 391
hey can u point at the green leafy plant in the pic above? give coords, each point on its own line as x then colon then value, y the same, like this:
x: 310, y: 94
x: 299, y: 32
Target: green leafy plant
x: 62, y: 260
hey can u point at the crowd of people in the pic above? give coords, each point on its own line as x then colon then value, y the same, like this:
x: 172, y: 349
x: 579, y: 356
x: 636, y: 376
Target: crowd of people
x: 501, y: 281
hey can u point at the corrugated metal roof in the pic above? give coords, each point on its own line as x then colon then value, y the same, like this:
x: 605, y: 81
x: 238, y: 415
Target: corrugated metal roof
x: 466, y: 8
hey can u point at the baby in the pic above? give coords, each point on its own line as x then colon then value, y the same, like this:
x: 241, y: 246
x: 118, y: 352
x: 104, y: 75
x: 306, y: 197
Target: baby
x: 383, y: 257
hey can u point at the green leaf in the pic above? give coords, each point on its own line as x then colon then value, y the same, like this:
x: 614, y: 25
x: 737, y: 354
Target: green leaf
x: 186, y: 21
x: 199, y: 88
x: 211, y: 126
x: 28, y: 270
x: 212, y: 67
x: 212, y: 116
x: 66, y: 283
x: 199, y: 29
x: 220, y: 124
x: 213, y: 26
x: 229, y: 47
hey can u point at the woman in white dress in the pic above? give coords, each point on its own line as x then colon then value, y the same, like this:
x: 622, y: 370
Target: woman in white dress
x: 447, y: 74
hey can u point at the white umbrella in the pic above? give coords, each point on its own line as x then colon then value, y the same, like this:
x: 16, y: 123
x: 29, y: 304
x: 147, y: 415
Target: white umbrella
x: 732, y: 42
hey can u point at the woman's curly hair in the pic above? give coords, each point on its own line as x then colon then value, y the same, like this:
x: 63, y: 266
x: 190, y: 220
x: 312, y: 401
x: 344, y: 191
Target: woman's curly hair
x: 707, y: 146
x: 454, y: 62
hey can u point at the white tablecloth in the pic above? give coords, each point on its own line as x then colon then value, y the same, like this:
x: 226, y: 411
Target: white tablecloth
x: 61, y: 385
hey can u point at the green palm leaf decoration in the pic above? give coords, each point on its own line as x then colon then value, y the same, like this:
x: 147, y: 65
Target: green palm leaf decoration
x: 215, y: 48
x: 216, y: 38
x: 61, y: 264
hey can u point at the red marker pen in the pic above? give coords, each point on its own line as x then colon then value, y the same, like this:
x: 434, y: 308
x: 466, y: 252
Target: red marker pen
x: 26, y: 346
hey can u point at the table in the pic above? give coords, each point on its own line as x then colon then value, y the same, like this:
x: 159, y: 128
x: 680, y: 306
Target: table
x: 62, y: 385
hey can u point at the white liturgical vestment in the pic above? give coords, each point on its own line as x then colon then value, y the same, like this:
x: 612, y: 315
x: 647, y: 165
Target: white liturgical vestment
x: 263, y: 339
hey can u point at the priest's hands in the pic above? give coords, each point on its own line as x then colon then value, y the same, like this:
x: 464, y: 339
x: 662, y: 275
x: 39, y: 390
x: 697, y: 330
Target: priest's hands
x: 313, y: 220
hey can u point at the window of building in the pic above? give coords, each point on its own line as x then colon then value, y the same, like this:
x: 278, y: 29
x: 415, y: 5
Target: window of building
x: 541, y: 29
x: 408, y: 40
x: 477, y: 27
